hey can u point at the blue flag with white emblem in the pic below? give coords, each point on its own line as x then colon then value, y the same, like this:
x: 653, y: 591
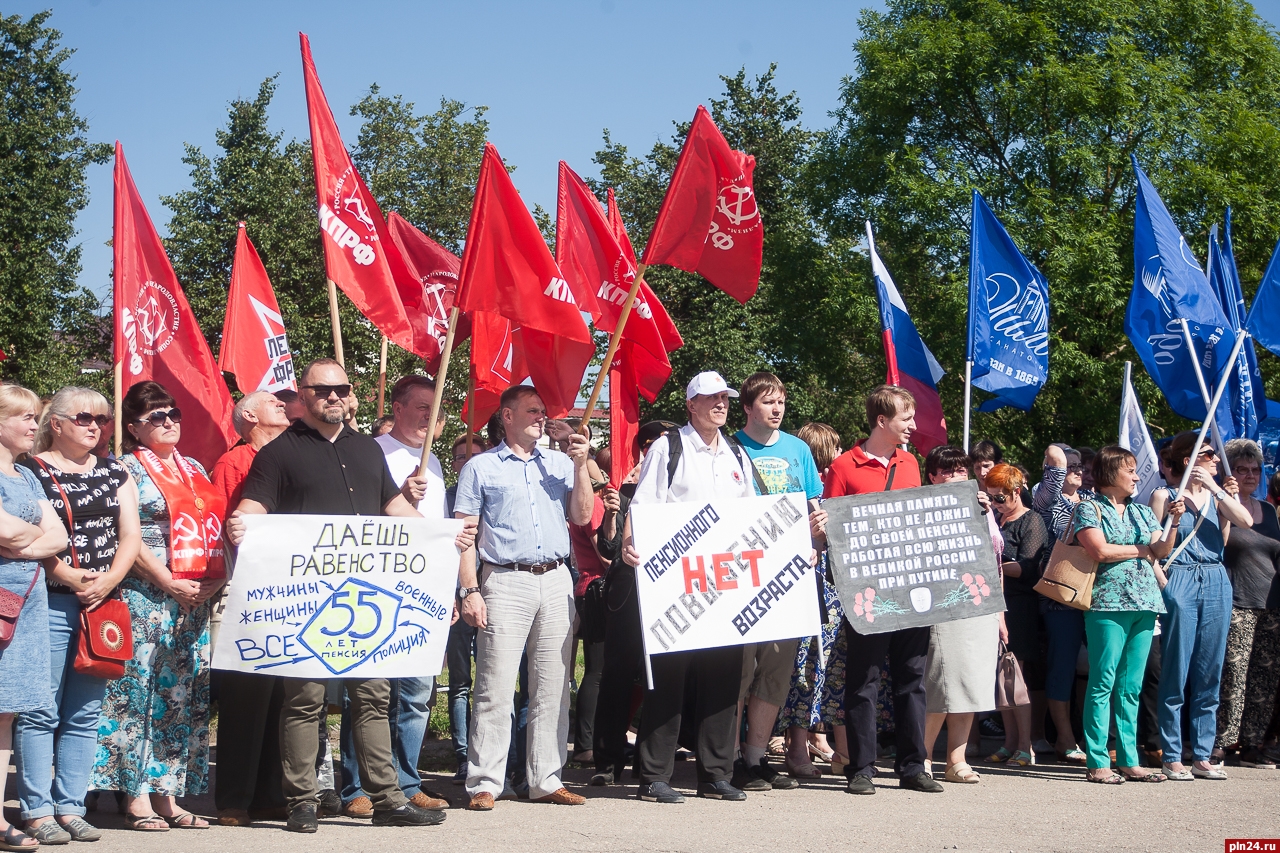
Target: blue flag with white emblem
x: 1008, y: 316
x: 1168, y: 286
x: 1263, y: 321
x: 1244, y: 403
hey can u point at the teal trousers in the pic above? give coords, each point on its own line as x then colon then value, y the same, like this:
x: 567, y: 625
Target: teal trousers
x: 1119, y: 642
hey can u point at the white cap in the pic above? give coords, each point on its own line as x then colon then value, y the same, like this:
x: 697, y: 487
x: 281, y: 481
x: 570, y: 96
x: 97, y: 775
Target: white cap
x: 707, y: 382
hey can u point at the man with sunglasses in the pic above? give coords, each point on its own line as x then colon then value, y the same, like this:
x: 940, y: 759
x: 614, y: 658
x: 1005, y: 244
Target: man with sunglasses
x: 321, y: 466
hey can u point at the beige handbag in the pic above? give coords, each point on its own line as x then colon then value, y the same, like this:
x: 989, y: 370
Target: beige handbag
x: 1069, y: 577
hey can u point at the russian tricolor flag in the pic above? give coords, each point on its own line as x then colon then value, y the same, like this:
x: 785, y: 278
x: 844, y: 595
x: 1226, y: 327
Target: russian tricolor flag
x: 910, y: 363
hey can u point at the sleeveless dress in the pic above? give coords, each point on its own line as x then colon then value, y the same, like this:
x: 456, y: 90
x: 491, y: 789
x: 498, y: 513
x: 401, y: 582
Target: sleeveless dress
x: 24, y: 664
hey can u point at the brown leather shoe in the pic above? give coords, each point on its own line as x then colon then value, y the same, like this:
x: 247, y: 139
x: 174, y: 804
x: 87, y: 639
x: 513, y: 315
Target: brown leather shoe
x: 360, y: 807
x: 234, y: 817
x: 481, y: 802
x: 423, y: 800
x: 562, y: 797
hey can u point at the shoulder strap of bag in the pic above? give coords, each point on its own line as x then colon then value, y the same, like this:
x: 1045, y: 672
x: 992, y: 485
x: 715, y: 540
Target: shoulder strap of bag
x: 745, y: 460
x: 1184, y: 543
x: 66, y: 503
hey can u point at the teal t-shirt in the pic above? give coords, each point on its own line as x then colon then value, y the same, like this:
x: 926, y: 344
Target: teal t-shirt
x: 785, y: 466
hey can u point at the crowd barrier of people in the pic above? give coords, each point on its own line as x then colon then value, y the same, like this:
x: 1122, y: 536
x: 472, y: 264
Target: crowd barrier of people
x: 1171, y: 674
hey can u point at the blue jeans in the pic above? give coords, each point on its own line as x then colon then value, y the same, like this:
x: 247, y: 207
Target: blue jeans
x: 64, y: 737
x: 1193, y: 644
x: 459, y: 653
x: 1065, y: 629
x: 408, y: 712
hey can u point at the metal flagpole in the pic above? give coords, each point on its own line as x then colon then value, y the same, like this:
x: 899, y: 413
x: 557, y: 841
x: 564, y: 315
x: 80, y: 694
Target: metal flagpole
x: 1215, y: 434
x: 968, y: 392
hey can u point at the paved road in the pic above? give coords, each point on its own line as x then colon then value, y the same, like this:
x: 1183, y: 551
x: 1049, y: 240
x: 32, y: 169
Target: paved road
x: 1042, y: 808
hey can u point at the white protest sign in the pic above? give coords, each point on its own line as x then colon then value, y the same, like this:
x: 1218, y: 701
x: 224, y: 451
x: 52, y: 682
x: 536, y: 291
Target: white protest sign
x: 320, y: 596
x: 724, y: 572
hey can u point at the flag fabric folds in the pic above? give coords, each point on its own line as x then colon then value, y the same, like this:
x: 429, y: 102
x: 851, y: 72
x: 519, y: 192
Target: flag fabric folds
x: 910, y: 363
x: 359, y: 255
x: 1244, y: 404
x: 507, y: 269
x: 1168, y: 286
x: 436, y: 269
x: 254, y: 347
x: 1008, y: 316
x: 709, y: 222
x: 156, y: 334
x: 1135, y: 438
x: 1263, y: 321
x: 624, y: 412
x: 497, y: 363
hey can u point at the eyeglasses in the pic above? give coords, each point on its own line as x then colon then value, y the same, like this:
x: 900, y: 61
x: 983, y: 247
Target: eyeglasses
x: 323, y: 391
x: 1075, y: 469
x: 157, y: 419
x: 86, y: 420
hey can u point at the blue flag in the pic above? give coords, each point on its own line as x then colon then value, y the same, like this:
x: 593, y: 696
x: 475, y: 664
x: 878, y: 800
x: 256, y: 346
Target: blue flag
x: 1263, y: 322
x: 1008, y: 316
x: 1244, y: 403
x: 1169, y: 285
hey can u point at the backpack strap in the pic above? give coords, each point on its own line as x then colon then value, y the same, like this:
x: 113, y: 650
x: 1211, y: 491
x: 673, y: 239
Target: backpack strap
x: 745, y: 460
x: 674, y: 448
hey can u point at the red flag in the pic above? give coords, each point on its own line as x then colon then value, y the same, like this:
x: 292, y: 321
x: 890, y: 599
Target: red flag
x: 497, y: 362
x: 437, y: 269
x: 359, y: 255
x: 254, y: 347
x: 156, y: 334
x: 624, y: 412
x: 508, y: 270
x: 709, y: 222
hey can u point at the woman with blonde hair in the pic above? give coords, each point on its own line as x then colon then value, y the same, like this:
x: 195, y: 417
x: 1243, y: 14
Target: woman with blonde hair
x: 98, y: 503
x: 29, y: 532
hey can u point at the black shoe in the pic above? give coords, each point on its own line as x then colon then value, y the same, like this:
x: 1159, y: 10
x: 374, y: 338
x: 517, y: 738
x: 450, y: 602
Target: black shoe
x: 407, y: 815
x: 330, y: 803
x: 922, y: 782
x: 745, y: 779
x: 460, y: 778
x: 991, y: 727
x: 658, y: 792
x: 776, y: 780
x: 860, y: 785
x: 720, y: 791
x: 605, y: 777
x: 302, y: 818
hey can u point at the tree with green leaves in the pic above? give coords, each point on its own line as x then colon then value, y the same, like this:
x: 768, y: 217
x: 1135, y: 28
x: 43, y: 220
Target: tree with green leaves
x: 49, y: 325
x: 1038, y: 105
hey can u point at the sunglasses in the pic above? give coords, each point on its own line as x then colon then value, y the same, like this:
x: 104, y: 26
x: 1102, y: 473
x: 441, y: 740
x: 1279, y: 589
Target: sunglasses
x: 323, y: 391
x: 157, y: 419
x: 1075, y: 469
x: 1208, y: 453
x: 1000, y: 499
x: 86, y: 420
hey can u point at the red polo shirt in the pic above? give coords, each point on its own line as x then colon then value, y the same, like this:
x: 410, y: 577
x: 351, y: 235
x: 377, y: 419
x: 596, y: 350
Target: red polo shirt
x: 856, y: 473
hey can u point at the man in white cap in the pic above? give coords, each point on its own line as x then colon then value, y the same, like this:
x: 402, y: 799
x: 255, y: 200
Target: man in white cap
x: 708, y: 466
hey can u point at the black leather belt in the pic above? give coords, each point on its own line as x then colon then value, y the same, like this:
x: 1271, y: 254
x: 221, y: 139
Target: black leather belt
x: 532, y: 568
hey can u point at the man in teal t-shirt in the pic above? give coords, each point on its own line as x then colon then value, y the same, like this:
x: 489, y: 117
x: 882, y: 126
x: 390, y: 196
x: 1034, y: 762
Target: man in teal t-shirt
x: 786, y: 465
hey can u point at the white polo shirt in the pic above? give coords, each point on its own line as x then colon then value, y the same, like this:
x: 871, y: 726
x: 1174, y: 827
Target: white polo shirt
x: 703, y: 473
x: 402, y: 461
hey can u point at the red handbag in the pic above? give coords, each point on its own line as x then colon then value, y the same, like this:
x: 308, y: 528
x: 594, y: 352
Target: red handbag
x: 11, y: 605
x: 106, y: 632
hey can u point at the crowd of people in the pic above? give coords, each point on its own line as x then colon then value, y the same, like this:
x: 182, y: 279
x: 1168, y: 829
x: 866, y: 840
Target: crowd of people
x: 1171, y: 674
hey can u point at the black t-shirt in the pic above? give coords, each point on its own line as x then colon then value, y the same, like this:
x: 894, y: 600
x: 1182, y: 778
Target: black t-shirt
x: 95, y: 512
x: 303, y: 472
x: 1252, y: 556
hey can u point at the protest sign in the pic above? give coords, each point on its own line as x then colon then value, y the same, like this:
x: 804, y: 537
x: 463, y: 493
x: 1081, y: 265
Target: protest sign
x: 724, y: 572
x: 912, y: 557
x: 319, y: 596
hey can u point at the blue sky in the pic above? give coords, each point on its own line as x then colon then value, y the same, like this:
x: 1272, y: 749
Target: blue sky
x: 158, y: 75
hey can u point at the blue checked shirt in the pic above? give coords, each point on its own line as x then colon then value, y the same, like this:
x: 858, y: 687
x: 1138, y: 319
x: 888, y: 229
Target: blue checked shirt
x: 523, y: 505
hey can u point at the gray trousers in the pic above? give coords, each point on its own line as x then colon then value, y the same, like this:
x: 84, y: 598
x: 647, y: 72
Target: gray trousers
x: 304, y: 704
x: 523, y: 610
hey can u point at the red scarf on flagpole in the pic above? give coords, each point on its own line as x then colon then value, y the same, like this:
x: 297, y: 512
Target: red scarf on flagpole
x: 195, y: 517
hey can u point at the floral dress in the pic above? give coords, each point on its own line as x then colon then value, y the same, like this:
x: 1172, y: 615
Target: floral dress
x: 814, y: 701
x: 154, y: 732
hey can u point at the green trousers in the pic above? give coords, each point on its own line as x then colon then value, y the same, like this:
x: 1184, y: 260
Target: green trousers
x: 1119, y: 642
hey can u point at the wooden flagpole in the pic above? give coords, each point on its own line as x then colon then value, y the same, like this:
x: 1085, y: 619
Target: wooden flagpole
x: 471, y: 412
x: 441, y: 375
x: 335, y: 323
x: 119, y: 406
x: 614, y: 341
x: 382, y: 378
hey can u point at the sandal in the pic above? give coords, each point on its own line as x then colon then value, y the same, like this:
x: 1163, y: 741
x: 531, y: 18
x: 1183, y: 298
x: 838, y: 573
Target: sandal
x: 1021, y: 759
x: 961, y: 773
x: 1113, y: 779
x: 1074, y: 755
x: 815, y: 752
x: 1153, y: 776
x: 802, y: 771
x: 185, y: 820
x: 1000, y: 756
x: 146, y: 823
x: 13, y: 838
x: 838, y: 764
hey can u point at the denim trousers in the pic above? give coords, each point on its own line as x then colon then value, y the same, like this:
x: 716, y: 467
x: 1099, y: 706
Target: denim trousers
x: 459, y: 652
x: 1193, y: 645
x: 56, y: 746
x: 408, y: 713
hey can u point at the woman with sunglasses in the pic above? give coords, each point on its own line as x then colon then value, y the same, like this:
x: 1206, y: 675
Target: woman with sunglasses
x: 1197, y: 596
x: 153, y: 739
x: 105, y: 537
x: 1025, y: 541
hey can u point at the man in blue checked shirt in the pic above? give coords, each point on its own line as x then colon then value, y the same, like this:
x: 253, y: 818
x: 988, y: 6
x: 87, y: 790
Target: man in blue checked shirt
x: 522, y: 594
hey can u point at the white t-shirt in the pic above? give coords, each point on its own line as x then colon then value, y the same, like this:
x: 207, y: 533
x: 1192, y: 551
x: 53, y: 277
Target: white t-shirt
x: 403, y: 460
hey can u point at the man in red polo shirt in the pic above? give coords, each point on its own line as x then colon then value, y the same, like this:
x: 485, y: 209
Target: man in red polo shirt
x: 877, y: 464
